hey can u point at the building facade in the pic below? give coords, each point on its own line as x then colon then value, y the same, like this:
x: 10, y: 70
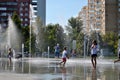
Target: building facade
x: 103, y: 15
x: 83, y: 15
x: 8, y: 7
x: 40, y: 9
x: 94, y: 15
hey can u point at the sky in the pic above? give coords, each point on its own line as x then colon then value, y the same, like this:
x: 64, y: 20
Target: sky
x: 59, y: 11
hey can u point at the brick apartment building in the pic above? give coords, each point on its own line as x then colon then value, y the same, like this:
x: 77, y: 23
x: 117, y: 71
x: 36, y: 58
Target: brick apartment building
x: 103, y: 15
x: 8, y: 7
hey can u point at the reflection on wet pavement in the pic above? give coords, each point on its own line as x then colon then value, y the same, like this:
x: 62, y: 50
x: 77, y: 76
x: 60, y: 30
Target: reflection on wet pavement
x: 49, y: 69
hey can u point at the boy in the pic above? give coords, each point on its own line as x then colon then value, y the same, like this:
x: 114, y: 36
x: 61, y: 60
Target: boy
x: 64, y: 56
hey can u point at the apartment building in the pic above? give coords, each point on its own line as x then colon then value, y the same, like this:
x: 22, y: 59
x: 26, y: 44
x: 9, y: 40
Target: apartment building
x: 83, y: 15
x: 103, y: 15
x: 94, y: 15
x: 39, y: 7
x: 8, y: 7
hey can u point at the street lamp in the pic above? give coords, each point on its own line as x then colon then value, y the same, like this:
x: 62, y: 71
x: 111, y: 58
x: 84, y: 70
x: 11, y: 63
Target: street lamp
x: 84, y: 45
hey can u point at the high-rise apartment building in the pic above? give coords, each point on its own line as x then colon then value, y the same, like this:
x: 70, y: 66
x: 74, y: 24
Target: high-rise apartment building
x: 83, y: 15
x: 8, y: 7
x: 40, y: 9
x: 95, y: 15
x: 103, y: 15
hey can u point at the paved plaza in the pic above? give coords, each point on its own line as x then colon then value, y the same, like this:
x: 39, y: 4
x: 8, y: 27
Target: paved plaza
x: 49, y: 69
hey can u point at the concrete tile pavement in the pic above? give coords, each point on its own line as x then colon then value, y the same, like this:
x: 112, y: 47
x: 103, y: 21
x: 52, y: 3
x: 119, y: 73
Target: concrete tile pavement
x: 14, y: 76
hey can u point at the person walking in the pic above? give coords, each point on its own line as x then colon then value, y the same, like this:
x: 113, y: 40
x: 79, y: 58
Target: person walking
x: 64, y: 56
x: 94, y: 53
x: 57, y: 51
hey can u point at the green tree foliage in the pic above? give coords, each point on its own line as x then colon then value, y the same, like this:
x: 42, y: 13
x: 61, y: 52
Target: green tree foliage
x: 40, y: 37
x: 23, y: 30
x: 17, y: 23
x: 17, y: 20
x: 53, y: 35
x: 110, y: 39
x: 74, y: 29
x: 25, y: 33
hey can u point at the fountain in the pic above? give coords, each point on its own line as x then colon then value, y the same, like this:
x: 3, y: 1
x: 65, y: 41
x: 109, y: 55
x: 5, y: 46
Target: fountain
x: 13, y: 37
x: 32, y: 21
x: 32, y: 28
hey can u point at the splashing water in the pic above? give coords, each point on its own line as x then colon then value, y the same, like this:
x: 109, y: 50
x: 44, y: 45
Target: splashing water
x: 14, y: 38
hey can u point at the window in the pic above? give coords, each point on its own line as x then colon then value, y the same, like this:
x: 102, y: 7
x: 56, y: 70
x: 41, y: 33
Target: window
x: 97, y: 18
x: 26, y: 9
x: 91, y: 15
x: 21, y: 19
x: 26, y: 4
x: 26, y: 14
x: 26, y: 24
x: 34, y: 3
x: 3, y: 8
x: 4, y: 24
x: 35, y: 13
x: 26, y: 19
x: 21, y: 9
x: 3, y: 14
x: 92, y: 6
x: 22, y: 4
x: 11, y: 3
x: 91, y: 10
x: 98, y: 24
x: 35, y: 8
x: 119, y: 4
x: 21, y: 14
x: 21, y: 24
x: 91, y: 1
x: 119, y: 9
x: 11, y: 9
x: 119, y: 21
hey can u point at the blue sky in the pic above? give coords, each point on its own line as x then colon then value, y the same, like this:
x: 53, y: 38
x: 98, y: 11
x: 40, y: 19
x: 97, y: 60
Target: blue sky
x: 59, y: 11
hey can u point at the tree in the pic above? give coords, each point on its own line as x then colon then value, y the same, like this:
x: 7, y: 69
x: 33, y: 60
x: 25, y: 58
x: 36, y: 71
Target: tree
x: 110, y: 40
x: 17, y: 20
x: 16, y: 34
x: 53, y: 35
x: 74, y: 29
x: 40, y: 36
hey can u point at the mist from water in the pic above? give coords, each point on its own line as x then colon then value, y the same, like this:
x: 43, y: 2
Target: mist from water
x: 33, y: 27
x: 33, y: 21
x: 3, y: 40
x: 14, y: 38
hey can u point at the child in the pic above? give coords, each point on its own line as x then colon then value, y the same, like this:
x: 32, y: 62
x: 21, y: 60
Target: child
x: 94, y: 53
x: 10, y: 55
x: 64, y: 56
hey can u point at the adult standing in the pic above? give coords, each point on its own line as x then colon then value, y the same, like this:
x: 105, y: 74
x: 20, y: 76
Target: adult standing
x: 57, y: 51
x: 94, y: 53
x: 10, y: 53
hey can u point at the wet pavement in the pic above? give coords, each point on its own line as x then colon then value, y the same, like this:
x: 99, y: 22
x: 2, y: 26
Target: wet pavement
x: 49, y: 69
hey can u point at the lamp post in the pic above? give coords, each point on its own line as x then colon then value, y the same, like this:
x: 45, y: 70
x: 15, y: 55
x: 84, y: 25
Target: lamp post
x: 30, y: 32
x: 22, y: 50
x: 84, y: 45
